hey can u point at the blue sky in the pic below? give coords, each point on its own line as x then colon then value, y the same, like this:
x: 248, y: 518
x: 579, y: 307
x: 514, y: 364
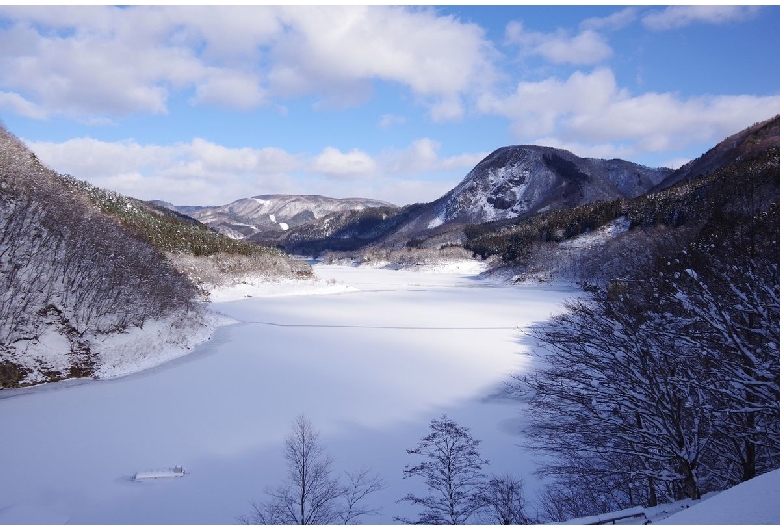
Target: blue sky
x: 205, y: 105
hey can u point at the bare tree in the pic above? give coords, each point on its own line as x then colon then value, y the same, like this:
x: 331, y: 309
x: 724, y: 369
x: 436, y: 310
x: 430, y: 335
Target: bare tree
x: 667, y: 387
x: 452, y: 470
x: 730, y: 288
x: 504, y: 501
x: 311, y: 495
x: 360, y: 485
x: 618, y: 387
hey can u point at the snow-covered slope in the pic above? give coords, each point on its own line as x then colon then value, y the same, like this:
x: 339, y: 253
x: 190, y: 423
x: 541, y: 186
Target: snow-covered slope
x: 752, y: 502
x: 272, y: 214
x: 80, y: 293
x: 756, y: 501
x: 527, y: 178
x: 522, y: 180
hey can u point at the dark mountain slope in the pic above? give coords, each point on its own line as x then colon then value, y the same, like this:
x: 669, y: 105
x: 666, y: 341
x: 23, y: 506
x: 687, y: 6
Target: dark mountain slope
x: 518, y: 180
x: 754, y: 139
x: 343, y: 231
x: 655, y: 224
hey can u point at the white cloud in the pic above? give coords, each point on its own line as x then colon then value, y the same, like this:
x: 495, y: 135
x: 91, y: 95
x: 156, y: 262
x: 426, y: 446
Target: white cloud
x: 232, y: 89
x: 88, y: 158
x: 266, y: 160
x: 448, y: 109
x: 353, y: 164
x: 433, y: 55
x: 197, y: 172
x: 201, y: 172
x: 587, y: 47
x: 615, y: 21
x: 95, y: 61
x: 388, y: 120
x: 589, y: 109
x: 680, y: 16
x: 422, y: 156
x: 18, y: 105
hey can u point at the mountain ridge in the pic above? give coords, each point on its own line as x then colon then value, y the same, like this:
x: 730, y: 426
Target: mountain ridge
x: 511, y: 181
x: 271, y: 214
x: 757, y: 137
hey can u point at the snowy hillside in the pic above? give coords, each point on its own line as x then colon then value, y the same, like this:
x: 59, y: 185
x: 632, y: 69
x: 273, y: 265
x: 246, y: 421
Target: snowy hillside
x: 520, y: 179
x: 756, y: 501
x: 513, y: 182
x: 72, y: 277
x: 272, y: 213
x: 95, y: 284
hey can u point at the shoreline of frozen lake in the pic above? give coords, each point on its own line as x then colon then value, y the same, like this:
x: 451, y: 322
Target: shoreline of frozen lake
x: 369, y: 366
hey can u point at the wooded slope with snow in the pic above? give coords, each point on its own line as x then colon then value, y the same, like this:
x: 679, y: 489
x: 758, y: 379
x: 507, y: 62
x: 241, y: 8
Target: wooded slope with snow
x: 80, y: 265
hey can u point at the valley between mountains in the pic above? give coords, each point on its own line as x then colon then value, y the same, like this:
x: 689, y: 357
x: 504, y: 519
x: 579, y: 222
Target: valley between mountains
x: 608, y: 331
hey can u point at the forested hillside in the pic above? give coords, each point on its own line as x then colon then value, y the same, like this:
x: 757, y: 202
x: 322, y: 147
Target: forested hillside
x: 79, y: 264
x: 655, y: 224
x: 69, y: 272
x: 207, y: 257
x: 665, y: 384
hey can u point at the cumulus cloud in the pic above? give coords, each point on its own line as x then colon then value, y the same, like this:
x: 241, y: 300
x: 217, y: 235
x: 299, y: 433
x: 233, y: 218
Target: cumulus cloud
x: 587, y: 47
x: 108, y: 61
x: 448, y: 109
x: 422, y: 156
x: 350, y: 165
x: 591, y: 109
x: 680, y: 16
x: 197, y: 172
x: 203, y: 172
x: 231, y: 89
x: 18, y: 105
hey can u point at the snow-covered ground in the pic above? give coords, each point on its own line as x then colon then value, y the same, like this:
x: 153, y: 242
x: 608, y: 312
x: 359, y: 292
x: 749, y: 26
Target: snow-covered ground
x: 262, y: 287
x: 756, y: 501
x: 370, y: 366
x: 750, y: 503
x: 600, y: 236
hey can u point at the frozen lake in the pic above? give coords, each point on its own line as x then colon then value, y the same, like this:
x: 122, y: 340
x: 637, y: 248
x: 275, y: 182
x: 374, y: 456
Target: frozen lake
x: 370, y: 368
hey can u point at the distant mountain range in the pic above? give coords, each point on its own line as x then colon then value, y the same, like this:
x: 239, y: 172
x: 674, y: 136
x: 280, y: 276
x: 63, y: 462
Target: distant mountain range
x: 270, y: 215
x: 510, y: 182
